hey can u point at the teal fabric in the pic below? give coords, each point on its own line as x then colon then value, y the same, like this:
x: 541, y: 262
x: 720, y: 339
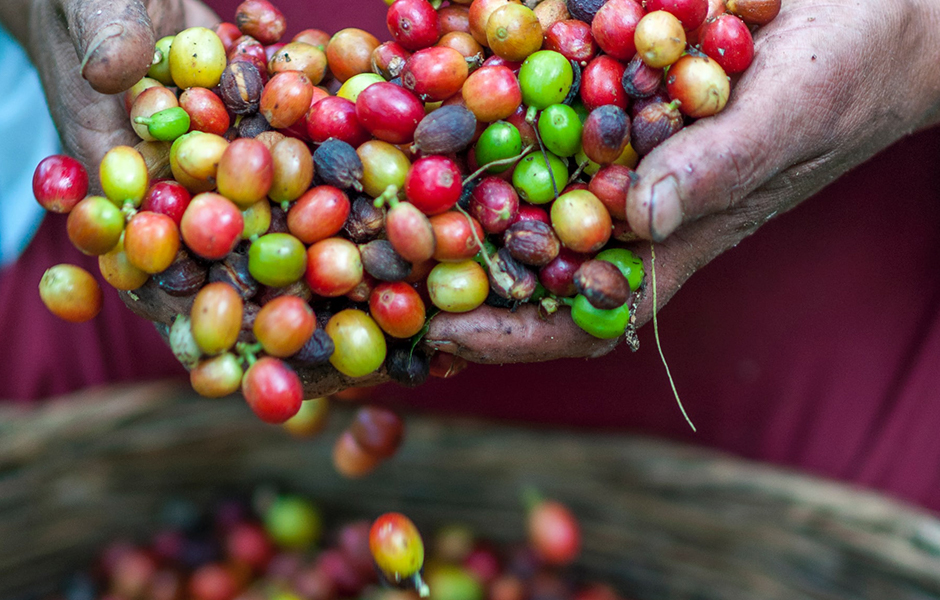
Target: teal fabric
x: 27, y: 135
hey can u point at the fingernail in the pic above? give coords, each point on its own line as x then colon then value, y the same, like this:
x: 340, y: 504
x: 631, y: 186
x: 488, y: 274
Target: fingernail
x: 111, y: 31
x: 665, y: 209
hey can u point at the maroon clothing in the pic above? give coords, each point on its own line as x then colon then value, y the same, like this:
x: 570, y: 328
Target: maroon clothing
x: 815, y: 343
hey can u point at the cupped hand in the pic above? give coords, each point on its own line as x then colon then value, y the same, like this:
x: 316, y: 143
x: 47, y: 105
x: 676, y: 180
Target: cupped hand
x: 832, y: 84
x: 87, y: 52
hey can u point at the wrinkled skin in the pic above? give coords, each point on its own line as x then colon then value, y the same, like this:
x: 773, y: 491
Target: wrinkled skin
x: 87, y: 51
x: 832, y: 84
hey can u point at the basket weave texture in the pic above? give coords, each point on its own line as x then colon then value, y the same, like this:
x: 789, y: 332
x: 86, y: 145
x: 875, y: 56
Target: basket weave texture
x: 661, y: 521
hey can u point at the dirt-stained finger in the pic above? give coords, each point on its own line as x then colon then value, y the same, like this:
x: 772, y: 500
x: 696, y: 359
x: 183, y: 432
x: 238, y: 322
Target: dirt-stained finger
x: 495, y: 335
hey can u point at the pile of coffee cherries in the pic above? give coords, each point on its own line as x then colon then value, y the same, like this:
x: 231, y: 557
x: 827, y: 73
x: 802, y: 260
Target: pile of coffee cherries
x: 318, y: 200
x: 279, y: 546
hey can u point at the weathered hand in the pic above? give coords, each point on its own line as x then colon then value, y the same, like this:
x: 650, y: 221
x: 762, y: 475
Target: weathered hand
x: 87, y: 52
x: 832, y: 84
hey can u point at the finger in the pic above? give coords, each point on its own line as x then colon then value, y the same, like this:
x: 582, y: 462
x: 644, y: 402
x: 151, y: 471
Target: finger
x: 113, y: 39
x: 88, y: 122
x: 495, y: 335
x: 714, y: 163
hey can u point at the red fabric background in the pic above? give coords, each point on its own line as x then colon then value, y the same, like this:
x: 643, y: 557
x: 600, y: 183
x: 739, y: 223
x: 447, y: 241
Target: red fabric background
x: 815, y: 343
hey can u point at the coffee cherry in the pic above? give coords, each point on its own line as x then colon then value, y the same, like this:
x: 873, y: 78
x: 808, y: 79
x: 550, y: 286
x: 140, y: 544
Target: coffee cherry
x: 495, y: 204
x: 433, y: 184
x: 492, y: 93
x: 292, y: 174
x: 389, y: 112
x: 558, y: 275
x: 499, y: 141
x: 124, y: 176
x: 59, y: 183
x: 397, y: 308
x: 754, y: 12
x: 211, y: 226
x: 388, y: 59
x: 148, y: 103
x: 456, y: 235
x: 654, y: 124
x: 350, y: 52
x: 151, y: 241
x: 298, y: 56
x: 350, y: 459
x: 571, y: 38
x: 554, y: 533
x: 245, y: 172
x: 286, y: 98
x: 659, y: 39
x: 539, y: 178
x: 614, y: 27
x: 691, y: 13
x: 545, y: 79
x: 728, y: 41
x: 335, y: 117
x: 606, y: 133
x: 70, y: 293
x: 434, y: 74
x: 458, y: 286
x: 513, y: 32
x: 216, y: 317
x: 277, y: 259
x: 117, y: 270
x: 396, y: 547
x: 699, y: 84
x: 261, y: 20
x: 318, y: 214
x: 413, y: 23
x: 197, y: 58
x: 602, y: 83
x: 379, y: 431
x: 410, y: 232
x: 95, y: 225
x: 217, y: 376
x: 272, y: 389
x: 334, y: 267
x: 560, y: 129
x: 581, y: 221
x: 360, y: 343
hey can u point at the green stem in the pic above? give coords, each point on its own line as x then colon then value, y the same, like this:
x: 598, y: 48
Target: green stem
x: 129, y: 209
x: 248, y: 352
x: 422, y: 588
x: 530, y: 114
x: 498, y: 163
x: 548, y: 165
x: 389, y: 197
x: 476, y: 238
x: 658, y: 345
x: 143, y: 121
x: 578, y: 171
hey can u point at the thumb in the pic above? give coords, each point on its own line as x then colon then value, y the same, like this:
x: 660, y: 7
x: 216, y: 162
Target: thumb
x: 114, y: 41
x: 708, y: 167
x: 781, y: 112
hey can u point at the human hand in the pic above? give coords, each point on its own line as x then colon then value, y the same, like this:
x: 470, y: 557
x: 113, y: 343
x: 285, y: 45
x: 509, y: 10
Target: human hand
x: 832, y: 84
x: 87, y: 52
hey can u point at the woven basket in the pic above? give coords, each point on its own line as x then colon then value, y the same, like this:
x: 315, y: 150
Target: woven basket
x: 661, y: 521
